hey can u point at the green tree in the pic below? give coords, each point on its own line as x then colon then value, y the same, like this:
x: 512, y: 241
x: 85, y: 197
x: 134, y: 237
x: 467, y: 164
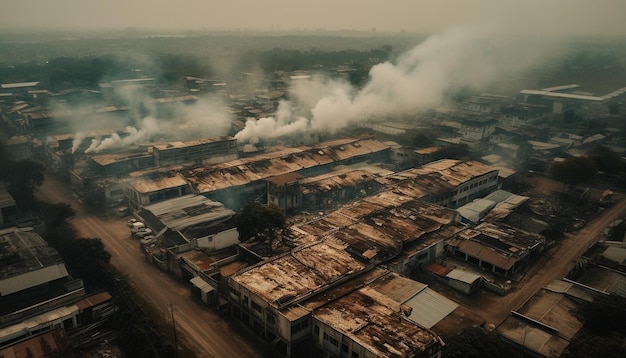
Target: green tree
x: 94, y: 198
x: 573, y: 171
x: 259, y: 221
x: 606, y: 160
x: 605, y: 315
x: 604, y: 329
x: 476, y: 342
x: 22, y: 179
x: 455, y: 151
x: 424, y: 138
x: 57, y: 214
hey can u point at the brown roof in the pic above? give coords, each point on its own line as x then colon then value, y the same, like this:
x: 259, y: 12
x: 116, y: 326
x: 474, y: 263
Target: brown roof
x: 94, y: 300
x: 285, y: 178
x: 487, y: 254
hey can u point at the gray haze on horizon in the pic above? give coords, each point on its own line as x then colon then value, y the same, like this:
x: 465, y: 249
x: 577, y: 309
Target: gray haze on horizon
x: 533, y: 17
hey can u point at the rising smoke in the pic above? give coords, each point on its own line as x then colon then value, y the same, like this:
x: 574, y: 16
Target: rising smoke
x: 204, y: 118
x: 421, y: 79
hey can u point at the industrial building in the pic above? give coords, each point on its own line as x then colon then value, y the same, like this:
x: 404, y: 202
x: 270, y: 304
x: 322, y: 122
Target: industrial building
x: 299, y: 296
x: 202, y: 151
x: 493, y: 207
x: 37, y: 295
x: 379, y: 320
x: 448, y: 182
x: 341, y: 185
x: 187, y: 223
x: 150, y: 189
x: 238, y: 181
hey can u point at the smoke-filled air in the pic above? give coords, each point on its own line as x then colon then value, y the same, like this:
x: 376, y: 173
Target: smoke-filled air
x: 204, y: 118
x: 418, y: 80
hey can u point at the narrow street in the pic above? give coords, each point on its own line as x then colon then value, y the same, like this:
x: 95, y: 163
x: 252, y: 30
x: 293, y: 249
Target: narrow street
x: 202, y: 330
x: 553, y: 265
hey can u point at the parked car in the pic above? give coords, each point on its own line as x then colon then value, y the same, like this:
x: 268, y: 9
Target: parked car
x: 138, y: 234
x: 137, y: 225
x: 131, y: 221
x: 122, y: 211
x: 148, y: 240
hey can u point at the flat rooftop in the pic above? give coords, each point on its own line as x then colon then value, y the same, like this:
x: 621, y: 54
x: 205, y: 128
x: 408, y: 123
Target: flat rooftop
x: 378, y: 322
x: 186, y: 211
x: 300, y: 273
x: 151, y: 184
x: 27, y: 261
x: 263, y: 166
x: 186, y: 144
x: 24, y: 250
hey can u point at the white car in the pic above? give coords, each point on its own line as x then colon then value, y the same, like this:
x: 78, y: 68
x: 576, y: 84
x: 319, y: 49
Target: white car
x: 148, y: 240
x: 130, y: 222
x: 141, y: 233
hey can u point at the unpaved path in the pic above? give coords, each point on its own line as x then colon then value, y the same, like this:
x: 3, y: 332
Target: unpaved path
x: 206, y: 333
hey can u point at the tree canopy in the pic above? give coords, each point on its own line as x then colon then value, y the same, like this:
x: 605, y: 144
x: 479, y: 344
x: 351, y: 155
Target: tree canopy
x: 573, y: 171
x: 606, y: 160
x: 22, y: 178
x: 603, y: 331
x: 259, y: 220
x: 476, y: 342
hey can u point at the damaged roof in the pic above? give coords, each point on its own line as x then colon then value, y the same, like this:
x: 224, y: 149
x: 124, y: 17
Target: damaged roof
x: 377, y: 322
x: 289, y: 279
x: 335, y: 180
x: 187, y: 211
x: 26, y: 261
x: 191, y: 143
x: 245, y: 170
x: 151, y: 184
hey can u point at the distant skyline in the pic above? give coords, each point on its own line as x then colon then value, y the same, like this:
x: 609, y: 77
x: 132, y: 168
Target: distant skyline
x: 533, y: 17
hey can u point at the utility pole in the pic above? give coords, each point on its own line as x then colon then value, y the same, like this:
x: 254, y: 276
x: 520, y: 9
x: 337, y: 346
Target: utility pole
x: 174, y: 330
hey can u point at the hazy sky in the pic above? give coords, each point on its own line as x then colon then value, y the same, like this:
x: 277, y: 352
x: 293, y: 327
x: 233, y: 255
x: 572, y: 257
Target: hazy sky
x: 559, y: 17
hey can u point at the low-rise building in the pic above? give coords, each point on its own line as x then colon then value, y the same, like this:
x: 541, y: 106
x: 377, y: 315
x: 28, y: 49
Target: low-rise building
x: 545, y: 324
x: 340, y: 186
x: 147, y: 190
x: 267, y: 296
x: 203, y: 151
x: 449, y: 182
x: 378, y: 321
x: 37, y: 294
x: 476, y: 129
x: 238, y: 181
x: 499, y: 249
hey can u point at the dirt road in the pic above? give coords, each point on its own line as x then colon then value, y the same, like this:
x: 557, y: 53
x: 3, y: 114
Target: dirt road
x: 201, y: 329
x: 555, y: 264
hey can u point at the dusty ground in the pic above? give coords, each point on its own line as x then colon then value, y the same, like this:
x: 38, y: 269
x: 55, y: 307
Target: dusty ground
x: 199, y: 328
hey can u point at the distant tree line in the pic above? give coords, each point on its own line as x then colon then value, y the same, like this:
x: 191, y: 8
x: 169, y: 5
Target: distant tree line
x: 86, y: 72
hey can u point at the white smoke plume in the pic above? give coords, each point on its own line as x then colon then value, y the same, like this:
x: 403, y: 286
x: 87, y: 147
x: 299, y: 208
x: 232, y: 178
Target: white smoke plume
x: 132, y: 136
x: 284, y: 123
x: 77, y: 141
x: 143, y: 121
x: 419, y: 80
